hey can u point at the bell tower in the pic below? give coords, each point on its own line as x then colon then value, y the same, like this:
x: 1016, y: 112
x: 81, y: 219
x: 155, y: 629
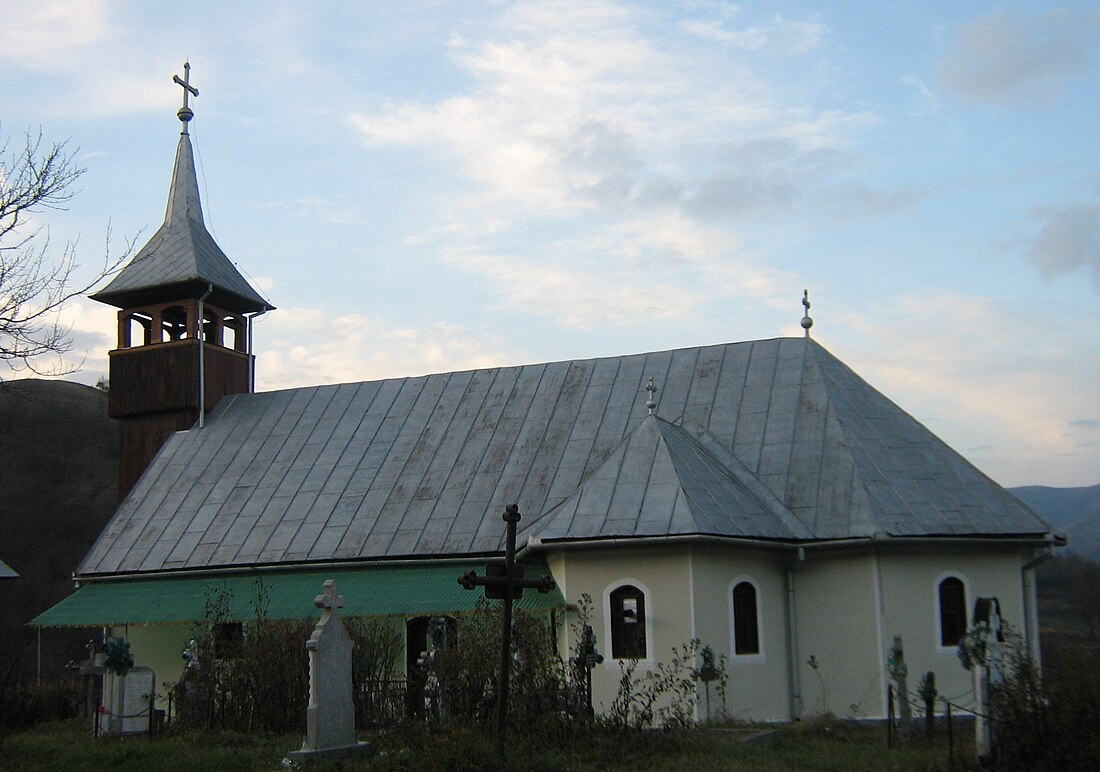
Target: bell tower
x: 184, y: 324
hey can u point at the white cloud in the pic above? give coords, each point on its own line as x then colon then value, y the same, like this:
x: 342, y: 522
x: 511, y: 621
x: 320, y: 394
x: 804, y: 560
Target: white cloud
x: 308, y: 346
x: 51, y: 35
x: 1010, y: 392
x: 1012, y: 58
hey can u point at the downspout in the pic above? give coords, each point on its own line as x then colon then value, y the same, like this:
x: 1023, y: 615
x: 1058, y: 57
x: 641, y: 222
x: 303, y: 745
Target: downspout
x: 252, y: 356
x: 792, y: 638
x: 1031, y: 611
x: 201, y: 321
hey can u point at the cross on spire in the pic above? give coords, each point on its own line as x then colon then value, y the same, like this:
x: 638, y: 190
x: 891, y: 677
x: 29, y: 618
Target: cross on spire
x: 185, y: 114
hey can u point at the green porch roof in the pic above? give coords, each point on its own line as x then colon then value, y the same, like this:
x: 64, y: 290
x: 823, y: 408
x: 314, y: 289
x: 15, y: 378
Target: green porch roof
x: 405, y: 590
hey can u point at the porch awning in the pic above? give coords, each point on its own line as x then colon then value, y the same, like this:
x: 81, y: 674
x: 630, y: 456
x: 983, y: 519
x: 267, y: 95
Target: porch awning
x: 399, y: 590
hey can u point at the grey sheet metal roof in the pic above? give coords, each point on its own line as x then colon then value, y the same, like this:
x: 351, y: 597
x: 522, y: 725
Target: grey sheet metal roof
x: 773, y: 439
x: 7, y: 572
x: 182, y: 257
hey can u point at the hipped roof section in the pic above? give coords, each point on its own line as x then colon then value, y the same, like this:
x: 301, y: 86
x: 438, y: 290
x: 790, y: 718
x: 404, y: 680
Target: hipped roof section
x: 182, y: 260
x: 773, y: 439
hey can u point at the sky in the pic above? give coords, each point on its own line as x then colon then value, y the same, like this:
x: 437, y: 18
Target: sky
x: 428, y: 186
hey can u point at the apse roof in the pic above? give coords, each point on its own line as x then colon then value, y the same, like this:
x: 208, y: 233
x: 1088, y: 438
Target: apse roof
x: 773, y: 439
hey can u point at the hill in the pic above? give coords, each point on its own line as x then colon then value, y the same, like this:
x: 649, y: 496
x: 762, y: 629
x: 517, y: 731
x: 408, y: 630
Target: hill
x: 59, y: 456
x: 1073, y: 511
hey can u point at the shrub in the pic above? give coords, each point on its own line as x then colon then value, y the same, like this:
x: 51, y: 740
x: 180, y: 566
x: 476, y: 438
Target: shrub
x: 1049, y: 721
x: 25, y: 704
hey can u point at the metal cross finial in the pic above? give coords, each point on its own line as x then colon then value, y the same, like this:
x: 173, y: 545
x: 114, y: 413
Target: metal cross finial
x: 185, y: 114
x: 651, y: 403
x: 807, y: 322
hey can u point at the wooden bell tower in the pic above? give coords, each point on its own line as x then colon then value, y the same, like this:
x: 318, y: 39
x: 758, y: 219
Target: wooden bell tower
x: 184, y: 324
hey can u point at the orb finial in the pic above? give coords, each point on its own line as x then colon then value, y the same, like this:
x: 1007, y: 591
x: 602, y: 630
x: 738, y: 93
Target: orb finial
x: 651, y: 402
x: 807, y: 322
x: 185, y: 114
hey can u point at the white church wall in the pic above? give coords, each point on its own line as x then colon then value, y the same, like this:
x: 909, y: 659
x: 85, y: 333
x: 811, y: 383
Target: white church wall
x: 910, y: 582
x: 835, y: 603
x: 758, y: 684
x: 663, y: 573
x: 159, y: 647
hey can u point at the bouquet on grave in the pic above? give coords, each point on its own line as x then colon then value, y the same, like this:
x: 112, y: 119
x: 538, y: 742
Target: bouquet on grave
x: 118, y: 658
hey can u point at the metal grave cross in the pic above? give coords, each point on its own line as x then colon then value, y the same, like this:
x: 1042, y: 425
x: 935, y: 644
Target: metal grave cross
x: 505, y: 583
x: 185, y: 114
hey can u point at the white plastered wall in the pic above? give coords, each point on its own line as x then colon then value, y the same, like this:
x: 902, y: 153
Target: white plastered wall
x: 159, y: 647
x: 758, y: 685
x: 835, y: 602
x: 910, y: 580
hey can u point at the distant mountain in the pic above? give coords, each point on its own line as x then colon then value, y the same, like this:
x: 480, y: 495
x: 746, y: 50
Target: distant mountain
x: 1072, y: 511
x: 58, y: 488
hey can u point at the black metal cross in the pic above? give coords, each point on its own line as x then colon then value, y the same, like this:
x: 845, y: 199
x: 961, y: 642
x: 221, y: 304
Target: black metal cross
x: 185, y: 114
x: 505, y: 583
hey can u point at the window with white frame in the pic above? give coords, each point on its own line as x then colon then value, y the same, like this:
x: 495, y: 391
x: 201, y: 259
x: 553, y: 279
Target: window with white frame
x: 628, y: 622
x: 745, y: 615
x: 951, y: 596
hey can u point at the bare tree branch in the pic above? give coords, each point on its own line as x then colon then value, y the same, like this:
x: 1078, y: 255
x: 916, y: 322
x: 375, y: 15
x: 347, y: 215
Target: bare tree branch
x: 36, y: 283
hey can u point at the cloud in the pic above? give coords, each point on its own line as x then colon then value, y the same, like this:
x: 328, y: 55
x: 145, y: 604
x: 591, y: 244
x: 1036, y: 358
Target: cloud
x: 50, y: 35
x: 1007, y: 57
x: 784, y: 35
x: 308, y: 346
x: 1005, y: 403
x: 1068, y: 240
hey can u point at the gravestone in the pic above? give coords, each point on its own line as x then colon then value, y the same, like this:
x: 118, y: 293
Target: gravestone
x: 126, y: 707
x: 330, y: 716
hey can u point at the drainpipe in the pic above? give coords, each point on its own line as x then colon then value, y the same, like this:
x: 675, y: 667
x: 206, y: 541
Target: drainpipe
x: 1031, y: 612
x: 792, y: 638
x: 202, y: 355
x: 251, y: 356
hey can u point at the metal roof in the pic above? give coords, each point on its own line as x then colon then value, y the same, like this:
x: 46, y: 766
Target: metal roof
x: 771, y: 439
x: 182, y: 260
x: 6, y: 572
x: 394, y: 590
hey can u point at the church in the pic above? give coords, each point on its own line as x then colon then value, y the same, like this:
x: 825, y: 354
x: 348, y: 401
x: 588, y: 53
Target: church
x: 758, y: 496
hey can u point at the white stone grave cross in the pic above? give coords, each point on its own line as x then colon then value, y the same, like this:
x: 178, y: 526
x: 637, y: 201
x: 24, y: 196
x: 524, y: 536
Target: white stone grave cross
x: 330, y: 716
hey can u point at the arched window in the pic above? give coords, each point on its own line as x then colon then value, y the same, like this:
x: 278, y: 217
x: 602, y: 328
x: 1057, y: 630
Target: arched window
x: 628, y: 623
x: 952, y: 602
x: 746, y: 619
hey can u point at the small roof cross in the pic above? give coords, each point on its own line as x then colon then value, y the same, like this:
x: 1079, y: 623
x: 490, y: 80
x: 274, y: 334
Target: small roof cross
x: 185, y: 114
x: 329, y: 599
x: 651, y: 403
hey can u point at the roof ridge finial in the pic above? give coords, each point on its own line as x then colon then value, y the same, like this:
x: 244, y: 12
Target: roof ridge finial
x: 807, y: 322
x: 651, y: 403
x: 185, y: 114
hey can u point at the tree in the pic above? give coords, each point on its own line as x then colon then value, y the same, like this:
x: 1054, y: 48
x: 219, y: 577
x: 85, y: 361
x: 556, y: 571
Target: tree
x: 35, y: 284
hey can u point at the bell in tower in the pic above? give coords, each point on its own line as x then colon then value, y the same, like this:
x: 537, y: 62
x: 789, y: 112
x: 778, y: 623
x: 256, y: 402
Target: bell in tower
x: 184, y: 324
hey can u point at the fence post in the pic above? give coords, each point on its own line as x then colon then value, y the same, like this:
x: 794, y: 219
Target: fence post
x: 890, y: 716
x: 950, y: 739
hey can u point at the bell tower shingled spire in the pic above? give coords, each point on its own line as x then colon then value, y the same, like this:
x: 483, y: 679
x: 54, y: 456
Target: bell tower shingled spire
x: 184, y: 324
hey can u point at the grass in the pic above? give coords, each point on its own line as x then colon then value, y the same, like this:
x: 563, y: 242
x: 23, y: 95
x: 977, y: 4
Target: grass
x: 824, y: 745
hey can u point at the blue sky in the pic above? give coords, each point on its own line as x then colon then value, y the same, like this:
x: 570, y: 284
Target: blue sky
x: 428, y: 186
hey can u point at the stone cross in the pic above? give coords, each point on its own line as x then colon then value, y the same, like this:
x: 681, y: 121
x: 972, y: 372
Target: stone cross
x: 989, y: 670
x: 185, y: 114
x: 330, y: 716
